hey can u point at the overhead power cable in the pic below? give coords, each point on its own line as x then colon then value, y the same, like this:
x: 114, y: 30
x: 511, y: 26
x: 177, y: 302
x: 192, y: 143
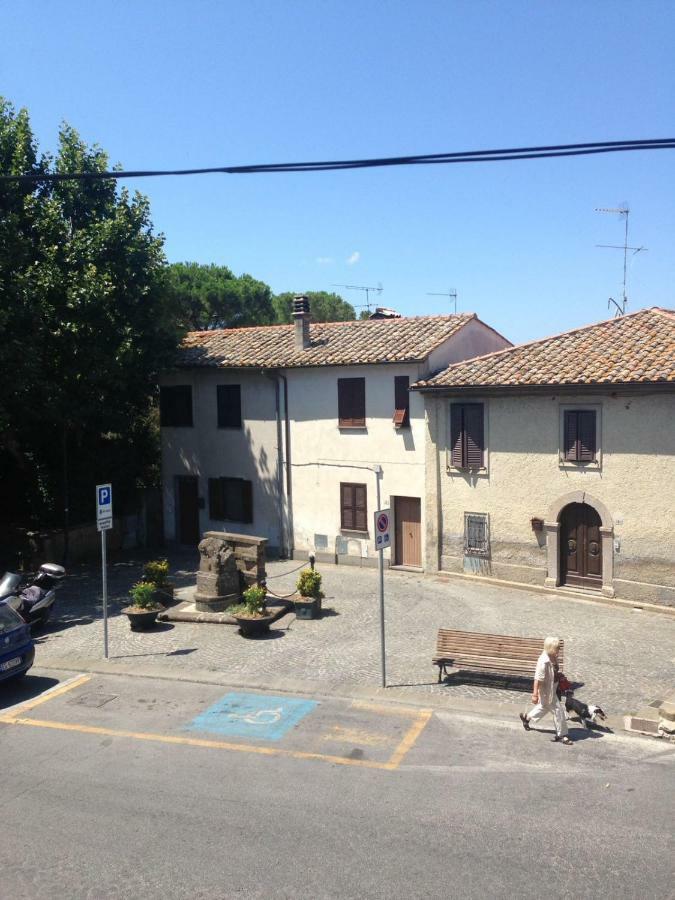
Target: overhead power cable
x: 467, y: 156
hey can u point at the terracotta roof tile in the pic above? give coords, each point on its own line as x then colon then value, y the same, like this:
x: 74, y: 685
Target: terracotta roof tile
x: 331, y: 343
x: 639, y: 347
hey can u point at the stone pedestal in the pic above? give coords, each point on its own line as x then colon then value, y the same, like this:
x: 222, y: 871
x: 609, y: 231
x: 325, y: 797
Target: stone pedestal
x: 249, y: 553
x: 218, y: 580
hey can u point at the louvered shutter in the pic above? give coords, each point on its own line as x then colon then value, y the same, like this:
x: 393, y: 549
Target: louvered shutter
x: 360, y: 510
x: 473, y: 435
x: 456, y: 431
x: 247, y: 501
x: 228, y: 401
x: 347, y: 507
x: 586, y: 442
x: 401, y: 400
x: 571, y: 435
x: 216, y: 505
x: 352, y: 402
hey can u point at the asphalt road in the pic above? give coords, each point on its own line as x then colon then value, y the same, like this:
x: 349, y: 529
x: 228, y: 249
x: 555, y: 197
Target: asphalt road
x: 115, y: 787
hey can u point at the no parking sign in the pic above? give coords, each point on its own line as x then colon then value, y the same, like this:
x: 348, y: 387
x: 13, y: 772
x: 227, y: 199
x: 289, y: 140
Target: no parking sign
x: 382, y: 526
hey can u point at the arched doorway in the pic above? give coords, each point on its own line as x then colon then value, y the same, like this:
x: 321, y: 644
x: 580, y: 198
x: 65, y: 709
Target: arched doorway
x: 580, y: 546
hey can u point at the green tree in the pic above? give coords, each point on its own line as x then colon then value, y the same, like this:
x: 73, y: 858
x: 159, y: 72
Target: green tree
x: 212, y: 296
x: 88, y: 324
x: 323, y: 306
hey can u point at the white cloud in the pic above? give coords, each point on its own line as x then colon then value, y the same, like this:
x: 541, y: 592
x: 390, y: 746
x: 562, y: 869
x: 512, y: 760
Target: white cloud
x: 324, y: 260
x: 354, y: 258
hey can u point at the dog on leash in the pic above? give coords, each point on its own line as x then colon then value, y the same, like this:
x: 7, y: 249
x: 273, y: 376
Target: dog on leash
x: 588, y: 714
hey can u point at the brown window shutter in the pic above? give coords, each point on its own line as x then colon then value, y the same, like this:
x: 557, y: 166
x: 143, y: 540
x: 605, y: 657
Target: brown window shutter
x: 360, y: 508
x: 216, y: 505
x: 571, y: 434
x: 247, y: 501
x: 347, y: 506
x: 228, y: 404
x: 456, y: 442
x: 352, y: 402
x: 474, y: 435
x: 401, y: 401
x: 586, y: 443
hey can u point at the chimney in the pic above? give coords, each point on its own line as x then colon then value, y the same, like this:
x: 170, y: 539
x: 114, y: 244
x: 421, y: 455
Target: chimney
x: 301, y: 322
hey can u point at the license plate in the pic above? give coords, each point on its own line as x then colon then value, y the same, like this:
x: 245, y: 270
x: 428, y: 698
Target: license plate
x: 10, y: 663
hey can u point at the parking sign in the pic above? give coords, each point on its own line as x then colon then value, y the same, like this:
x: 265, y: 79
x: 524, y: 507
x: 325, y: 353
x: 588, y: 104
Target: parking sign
x: 382, y: 525
x: 104, y: 515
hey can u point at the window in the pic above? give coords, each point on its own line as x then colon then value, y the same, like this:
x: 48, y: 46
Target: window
x: 352, y: 402
x: 580, y: 435
x: 353, y: 507
x: 228, y: 397
x: 175, y: 405
x: 476, y: 534
x: 467, y: 435
x: 401, y: 401
x: 231, y: 499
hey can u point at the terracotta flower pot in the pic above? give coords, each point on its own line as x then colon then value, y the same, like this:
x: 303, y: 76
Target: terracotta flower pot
x: 253, y: 626
x: 142, y: 619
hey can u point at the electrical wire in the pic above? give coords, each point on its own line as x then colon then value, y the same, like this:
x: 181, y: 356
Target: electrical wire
x: 466, y: 156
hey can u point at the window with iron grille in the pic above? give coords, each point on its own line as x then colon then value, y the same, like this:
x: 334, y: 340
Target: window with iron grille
x: 476, y: 534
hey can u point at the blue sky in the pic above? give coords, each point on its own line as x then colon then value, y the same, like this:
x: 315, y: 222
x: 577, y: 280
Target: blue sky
x: 182, y: 84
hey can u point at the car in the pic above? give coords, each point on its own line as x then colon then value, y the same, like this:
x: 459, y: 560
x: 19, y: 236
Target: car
x: 17, y: 650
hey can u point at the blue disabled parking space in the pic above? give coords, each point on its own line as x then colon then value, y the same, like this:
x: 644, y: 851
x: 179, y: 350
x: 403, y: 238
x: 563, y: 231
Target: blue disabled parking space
x: 254, y: 716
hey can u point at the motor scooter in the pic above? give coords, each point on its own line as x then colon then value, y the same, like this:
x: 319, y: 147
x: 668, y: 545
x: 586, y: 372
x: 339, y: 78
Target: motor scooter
x: 34, y: 602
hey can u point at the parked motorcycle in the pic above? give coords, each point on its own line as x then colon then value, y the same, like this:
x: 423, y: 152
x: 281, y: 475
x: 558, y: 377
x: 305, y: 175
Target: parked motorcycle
x: 34, y: 601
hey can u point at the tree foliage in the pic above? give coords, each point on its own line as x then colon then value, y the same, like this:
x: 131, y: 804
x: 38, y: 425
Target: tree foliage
x: 211, y: 296
x: 87, y: 324
x: 323, y: 307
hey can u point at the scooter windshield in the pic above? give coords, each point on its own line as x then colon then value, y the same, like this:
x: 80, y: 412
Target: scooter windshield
x: 9, y: 583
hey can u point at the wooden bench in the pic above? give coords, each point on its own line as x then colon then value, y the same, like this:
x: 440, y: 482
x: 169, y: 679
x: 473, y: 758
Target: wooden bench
x: 497, y: 654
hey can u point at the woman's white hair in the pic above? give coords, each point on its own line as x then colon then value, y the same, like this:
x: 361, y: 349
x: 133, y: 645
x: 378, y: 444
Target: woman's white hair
x: 552, y: 644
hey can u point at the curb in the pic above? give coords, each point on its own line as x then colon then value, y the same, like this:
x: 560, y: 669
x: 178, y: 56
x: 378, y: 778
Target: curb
x: 391, y: 695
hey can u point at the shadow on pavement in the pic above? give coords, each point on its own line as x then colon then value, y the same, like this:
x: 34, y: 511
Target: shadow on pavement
x: 26, y: 688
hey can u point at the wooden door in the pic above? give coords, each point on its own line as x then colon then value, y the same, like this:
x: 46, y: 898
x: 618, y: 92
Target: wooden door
x: 580, y: 546
x: 408, y: 525
x: 187, y: 497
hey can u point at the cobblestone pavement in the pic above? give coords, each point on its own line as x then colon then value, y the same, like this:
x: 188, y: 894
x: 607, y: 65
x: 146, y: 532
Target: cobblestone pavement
x: 624, y: 657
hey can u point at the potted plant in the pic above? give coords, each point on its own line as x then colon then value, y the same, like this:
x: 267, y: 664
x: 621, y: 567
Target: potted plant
x: 156, y: 572
x: 144, y: 610
x: 308, y: 603
x: 251, y: 615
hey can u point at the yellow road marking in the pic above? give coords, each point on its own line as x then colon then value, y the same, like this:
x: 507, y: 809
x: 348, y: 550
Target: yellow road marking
x: 407, y: 711
x: 69, y: 685
x: 354, y: 736
x: 409, y: 738
x: 194, y: 742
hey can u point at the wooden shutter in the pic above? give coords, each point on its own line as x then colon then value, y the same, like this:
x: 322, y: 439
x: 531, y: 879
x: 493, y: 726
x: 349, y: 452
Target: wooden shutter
x: 473, y: 435
x: 571, y: 434
x: 347, y: 507
x: 401, y: 401
x: 586, y: 439
x: 456, y: 436
x: 360, y: 508
x: 352, y: 402
x: 247, y: 501
x: 216, y: 499
x: 228, y: 398
x: 175, y: 405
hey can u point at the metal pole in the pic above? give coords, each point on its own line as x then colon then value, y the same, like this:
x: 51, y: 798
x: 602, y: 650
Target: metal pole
x: 104, y: 568
x: 383, y: 665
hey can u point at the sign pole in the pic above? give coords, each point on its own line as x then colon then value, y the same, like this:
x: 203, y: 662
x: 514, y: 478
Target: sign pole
x: 379, y: 543
x: 104, y: 521
x: 104, y: 567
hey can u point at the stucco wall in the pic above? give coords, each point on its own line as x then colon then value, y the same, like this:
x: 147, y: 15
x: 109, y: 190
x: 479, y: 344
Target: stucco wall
x: 323, y: 454
x: 211, y: 452
x: 474, y: 339
x: 524, y: 478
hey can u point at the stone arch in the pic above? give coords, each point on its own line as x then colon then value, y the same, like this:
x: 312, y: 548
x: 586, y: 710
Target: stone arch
x: 552, y: 526
x: 558, y: 505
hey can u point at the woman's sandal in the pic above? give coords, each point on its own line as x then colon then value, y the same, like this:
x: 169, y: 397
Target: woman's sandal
x: 563, y: 740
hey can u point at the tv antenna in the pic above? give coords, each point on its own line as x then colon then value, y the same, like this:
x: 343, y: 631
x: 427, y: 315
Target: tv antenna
x: 361, y: 287
x: 622, y: 211
x: 452, y: 294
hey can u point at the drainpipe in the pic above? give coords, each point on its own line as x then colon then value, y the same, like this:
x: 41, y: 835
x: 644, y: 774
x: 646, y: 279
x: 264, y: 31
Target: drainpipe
x: 289, y: 483
x: 280, y: 461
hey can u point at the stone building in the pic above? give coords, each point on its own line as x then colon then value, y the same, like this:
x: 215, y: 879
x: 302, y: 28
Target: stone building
x: 553, y: 463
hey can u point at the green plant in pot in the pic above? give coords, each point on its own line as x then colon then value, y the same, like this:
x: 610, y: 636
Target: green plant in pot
x: 251, y: 615
x: 307, y: 602
x: 144, y: 608
x: 156, y: 572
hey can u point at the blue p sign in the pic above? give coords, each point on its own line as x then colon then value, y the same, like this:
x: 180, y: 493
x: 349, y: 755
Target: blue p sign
x: 103, y: 496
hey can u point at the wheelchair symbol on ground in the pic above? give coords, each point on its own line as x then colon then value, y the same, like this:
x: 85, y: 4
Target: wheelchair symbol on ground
x: 252, y: 716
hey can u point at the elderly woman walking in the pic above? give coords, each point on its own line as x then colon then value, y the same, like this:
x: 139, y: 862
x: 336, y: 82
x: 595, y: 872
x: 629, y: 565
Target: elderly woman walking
x: 544, y: 694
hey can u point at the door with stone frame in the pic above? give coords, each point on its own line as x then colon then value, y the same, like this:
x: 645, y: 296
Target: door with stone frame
x: 580, y: 547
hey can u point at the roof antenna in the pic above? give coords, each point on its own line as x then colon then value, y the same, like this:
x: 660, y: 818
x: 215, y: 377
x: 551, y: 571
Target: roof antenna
x: 452, y: 294
x: 361, y: 287
x: 624, y: 211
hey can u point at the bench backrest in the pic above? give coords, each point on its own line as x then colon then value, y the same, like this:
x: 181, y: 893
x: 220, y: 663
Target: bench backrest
x: 476, y: 644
